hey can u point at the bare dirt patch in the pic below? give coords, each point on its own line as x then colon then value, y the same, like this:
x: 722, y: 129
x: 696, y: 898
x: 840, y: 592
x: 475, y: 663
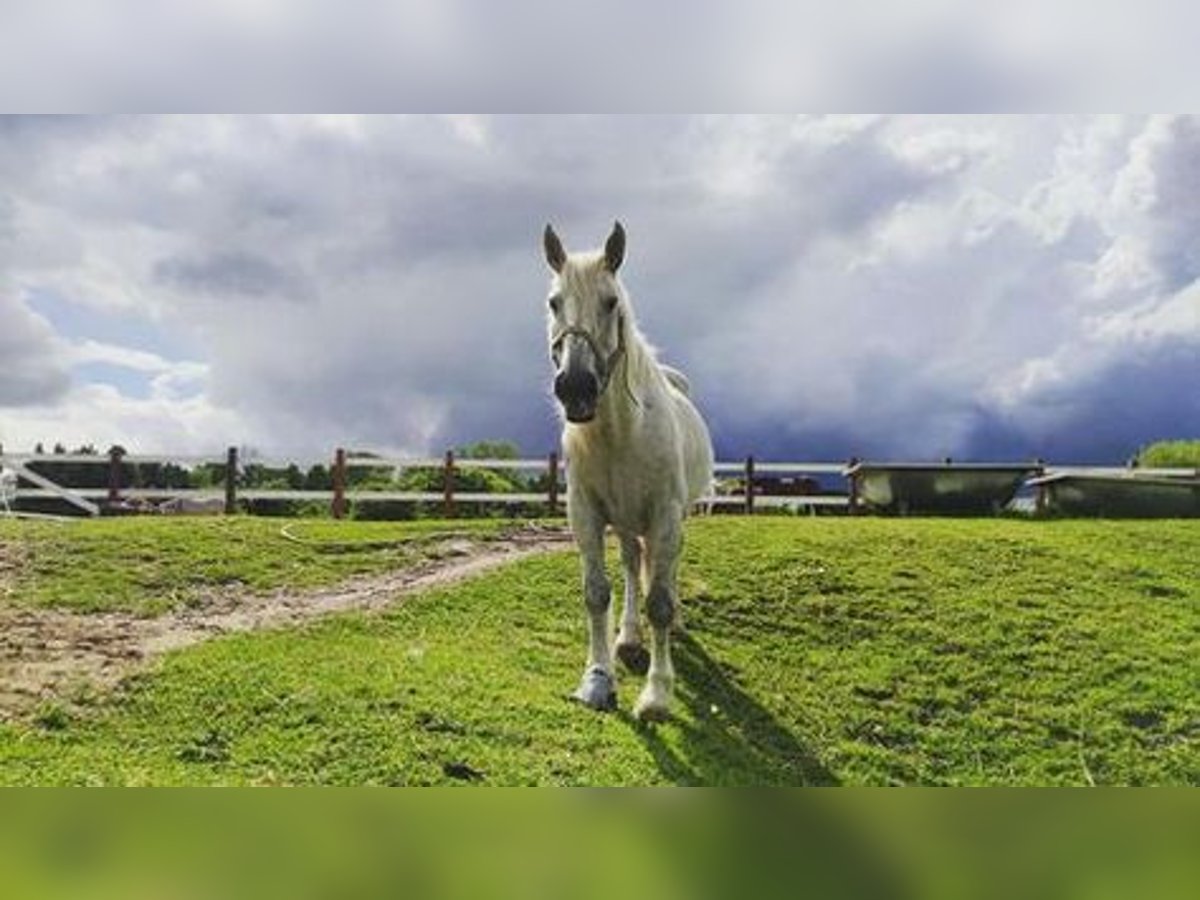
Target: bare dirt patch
x: 49, y: 655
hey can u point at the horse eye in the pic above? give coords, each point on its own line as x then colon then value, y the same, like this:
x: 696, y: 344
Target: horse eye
x: 610, y: 303
x: 555, y: 303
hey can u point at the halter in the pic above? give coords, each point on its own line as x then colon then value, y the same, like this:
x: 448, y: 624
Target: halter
x: 609, y: 363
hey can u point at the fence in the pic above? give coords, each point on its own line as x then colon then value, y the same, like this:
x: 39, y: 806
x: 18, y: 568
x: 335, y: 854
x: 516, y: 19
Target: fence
x: 230, y: 492
x: 746, y: 497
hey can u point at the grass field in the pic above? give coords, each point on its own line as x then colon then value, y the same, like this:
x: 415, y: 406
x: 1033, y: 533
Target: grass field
x: 814, y: 651
x: 150, y: 565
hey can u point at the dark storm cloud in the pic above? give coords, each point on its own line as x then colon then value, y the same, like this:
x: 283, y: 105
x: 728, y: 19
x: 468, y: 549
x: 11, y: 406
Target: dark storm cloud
x: 1106, y: 415
x: 832, y: 286
x: 233, y: 275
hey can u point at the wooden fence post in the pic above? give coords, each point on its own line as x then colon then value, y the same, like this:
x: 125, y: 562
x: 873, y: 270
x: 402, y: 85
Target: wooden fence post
x: 552, y: 490
x: 749, y: 485
x: 338, y: 507
x: 852, y: 477
x: 231, y: 464
x: 114, y: 474
x: 448, y: 485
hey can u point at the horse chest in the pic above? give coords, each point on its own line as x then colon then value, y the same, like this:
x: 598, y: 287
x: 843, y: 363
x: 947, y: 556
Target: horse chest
x: 625, y: 488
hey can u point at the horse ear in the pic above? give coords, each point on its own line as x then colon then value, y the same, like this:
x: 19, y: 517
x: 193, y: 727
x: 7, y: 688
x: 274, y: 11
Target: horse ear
x: 614, y: 248
x: 555, y: 254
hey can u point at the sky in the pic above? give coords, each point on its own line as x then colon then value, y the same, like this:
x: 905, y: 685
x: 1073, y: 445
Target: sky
x: 907, y: 287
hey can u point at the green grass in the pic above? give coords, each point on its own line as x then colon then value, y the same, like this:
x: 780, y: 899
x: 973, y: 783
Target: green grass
x: 816, y: 651
x: 148, y: 565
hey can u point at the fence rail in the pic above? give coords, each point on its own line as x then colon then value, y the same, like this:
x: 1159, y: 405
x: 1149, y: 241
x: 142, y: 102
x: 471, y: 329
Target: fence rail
x: 749, y: 472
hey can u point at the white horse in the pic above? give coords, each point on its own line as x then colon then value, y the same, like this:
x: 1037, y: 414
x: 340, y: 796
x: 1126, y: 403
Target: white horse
x: 638, y: 456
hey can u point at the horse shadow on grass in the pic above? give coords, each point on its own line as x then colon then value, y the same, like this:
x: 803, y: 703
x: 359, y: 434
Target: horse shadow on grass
x: 727, y: 737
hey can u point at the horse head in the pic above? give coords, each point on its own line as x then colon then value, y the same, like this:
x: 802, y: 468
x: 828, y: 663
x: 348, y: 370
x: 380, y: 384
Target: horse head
x: 587, y: 313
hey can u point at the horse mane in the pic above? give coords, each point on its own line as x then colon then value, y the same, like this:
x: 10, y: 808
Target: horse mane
x: 641, y: 357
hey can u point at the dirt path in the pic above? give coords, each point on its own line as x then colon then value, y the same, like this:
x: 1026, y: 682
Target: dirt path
x: 52, y: 655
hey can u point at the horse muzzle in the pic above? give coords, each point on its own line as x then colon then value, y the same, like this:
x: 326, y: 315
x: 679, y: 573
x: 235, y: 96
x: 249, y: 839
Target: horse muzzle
x: 578, y: 390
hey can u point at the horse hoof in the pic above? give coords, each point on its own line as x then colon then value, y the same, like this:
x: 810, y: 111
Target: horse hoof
x: 596, y: 690
x: 634, y: 657
x: 652, y: 710
x: 653, y: 704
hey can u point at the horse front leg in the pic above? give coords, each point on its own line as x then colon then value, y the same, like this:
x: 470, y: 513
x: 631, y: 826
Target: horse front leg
x: 597, y: 688
x: 663, y: 545
x: 630, y: 647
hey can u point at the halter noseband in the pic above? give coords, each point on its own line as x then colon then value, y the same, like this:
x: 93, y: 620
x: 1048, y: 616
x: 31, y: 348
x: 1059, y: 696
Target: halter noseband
x: 609, y: 363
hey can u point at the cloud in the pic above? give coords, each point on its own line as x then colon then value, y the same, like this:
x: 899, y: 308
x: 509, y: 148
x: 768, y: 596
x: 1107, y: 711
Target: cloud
x: 33, y: 370
x: 232, y: 275
x: 895, y: 342
x: 1099, y: 409
x: 102, y: 415
x: 833, y: 285
x: 90, y: 351
x: 1155, y: 195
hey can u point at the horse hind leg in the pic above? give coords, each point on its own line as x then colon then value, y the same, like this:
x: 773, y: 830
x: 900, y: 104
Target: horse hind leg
x: 630, y: 646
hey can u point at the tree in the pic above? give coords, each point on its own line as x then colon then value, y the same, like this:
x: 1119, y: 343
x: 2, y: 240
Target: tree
x: 318, y: 479
x: 1181, y: 454
x: 295, y: 478
x: 489, y: 450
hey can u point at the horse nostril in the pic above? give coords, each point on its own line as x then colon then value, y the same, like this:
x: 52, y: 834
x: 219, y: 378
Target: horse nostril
x: 576, y: 386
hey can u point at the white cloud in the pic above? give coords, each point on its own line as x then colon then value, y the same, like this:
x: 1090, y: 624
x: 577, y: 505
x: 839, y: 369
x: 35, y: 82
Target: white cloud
x: 101, y: 415
x: 90, y: 351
